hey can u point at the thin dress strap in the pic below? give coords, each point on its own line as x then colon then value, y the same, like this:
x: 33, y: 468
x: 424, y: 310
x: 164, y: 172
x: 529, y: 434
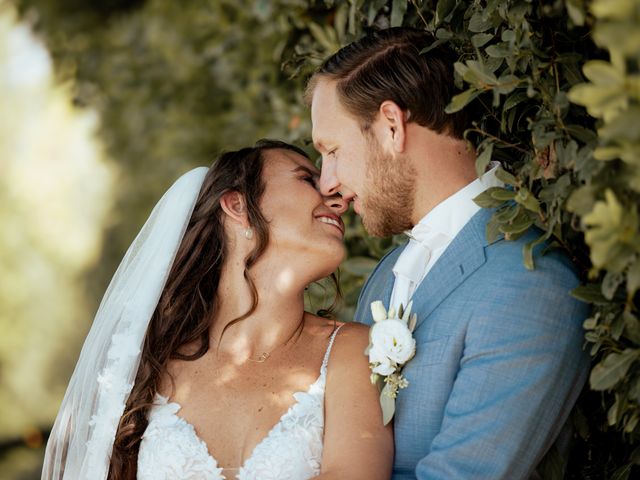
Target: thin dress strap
x: 325, y: 361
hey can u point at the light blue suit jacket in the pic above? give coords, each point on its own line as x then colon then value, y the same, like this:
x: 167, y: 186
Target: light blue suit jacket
x: 499, y: 359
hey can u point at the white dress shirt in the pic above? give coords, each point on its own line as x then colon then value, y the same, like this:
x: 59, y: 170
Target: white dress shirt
x: 429, y: 239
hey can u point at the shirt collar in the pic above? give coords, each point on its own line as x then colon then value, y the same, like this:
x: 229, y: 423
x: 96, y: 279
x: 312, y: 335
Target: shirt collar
x: 453, y: 213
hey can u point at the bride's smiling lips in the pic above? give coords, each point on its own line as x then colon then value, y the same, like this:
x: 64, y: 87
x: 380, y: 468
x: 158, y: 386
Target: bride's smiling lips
x: 330, y: 219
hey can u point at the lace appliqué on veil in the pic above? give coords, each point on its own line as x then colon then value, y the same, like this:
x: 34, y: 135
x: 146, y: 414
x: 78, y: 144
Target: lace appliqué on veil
x: 113, y: 390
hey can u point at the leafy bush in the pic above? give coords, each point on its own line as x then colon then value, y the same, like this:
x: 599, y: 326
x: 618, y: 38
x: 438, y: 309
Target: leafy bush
x: 527, y: 70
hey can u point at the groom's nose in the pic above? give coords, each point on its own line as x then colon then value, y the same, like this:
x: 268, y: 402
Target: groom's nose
x: 337, y: 204
x: 329, y: 184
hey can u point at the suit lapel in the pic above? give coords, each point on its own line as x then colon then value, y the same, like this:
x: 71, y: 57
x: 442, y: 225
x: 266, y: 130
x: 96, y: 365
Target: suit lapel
x: 379, y: 287
x: 464, y: 255
x: 386, y: 286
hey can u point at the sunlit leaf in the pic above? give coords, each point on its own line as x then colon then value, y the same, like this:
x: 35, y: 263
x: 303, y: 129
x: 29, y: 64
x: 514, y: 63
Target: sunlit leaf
x: 608, y: 232
x: 478, y: 24
x: 486, y: 200
x: 398, y: 10
x: 612, y: 369
x: 603, y: 73
x: 480, y: 39
x: 591, y: 293
x: 483, y: 160
x: 582, y: 200
x: 388, y: 405
x: 502, y: 194
x: 506, y: 177
x: 610, y: 284
x: 443, y: 9
x: 633, y: 277
x: 525, y: 198
x: 576, y: 12
x: 499, y: 51
x: 521, y: 223
x: 632, y: 328
x: 458, y: 102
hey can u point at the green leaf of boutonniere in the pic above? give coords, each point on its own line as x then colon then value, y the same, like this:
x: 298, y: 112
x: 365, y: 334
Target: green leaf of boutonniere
x: 388, y: 404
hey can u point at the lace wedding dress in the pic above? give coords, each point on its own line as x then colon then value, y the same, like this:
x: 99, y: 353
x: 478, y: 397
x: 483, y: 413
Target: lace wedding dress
x: 292, y: 450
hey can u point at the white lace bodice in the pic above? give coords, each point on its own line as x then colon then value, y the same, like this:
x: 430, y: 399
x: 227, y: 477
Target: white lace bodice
x: 292, y: 450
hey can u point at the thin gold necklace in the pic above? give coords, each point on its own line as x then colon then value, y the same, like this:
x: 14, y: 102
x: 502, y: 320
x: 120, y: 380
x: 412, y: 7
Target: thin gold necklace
x: 264, y: 356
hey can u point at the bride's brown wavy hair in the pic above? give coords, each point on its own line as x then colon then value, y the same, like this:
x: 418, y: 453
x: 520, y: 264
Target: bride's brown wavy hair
x: 187, y: 304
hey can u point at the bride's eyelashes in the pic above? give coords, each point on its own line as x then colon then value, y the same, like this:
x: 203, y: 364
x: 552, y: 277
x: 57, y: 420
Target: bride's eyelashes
x: 308, y: 175
x: 313, y: 180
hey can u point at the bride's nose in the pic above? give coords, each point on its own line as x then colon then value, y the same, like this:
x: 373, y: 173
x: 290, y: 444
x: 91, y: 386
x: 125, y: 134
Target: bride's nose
x: 336, y: 203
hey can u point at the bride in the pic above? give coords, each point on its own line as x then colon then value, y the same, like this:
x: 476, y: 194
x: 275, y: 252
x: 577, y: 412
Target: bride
x: 202, y: 363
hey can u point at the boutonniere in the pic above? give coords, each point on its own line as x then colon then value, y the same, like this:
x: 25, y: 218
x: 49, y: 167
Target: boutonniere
x: 391, y: 346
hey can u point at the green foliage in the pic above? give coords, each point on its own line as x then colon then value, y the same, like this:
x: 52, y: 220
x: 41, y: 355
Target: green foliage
x: 609, y: 209
x: 175, y: 83
x: 573, y: 174
x: 526, y: 70
x: 555, y: 91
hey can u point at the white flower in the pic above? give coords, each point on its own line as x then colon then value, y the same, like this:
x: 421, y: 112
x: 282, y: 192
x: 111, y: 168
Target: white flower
x: 378, y: 311
x: 384, y: 369
x: 391, y: 346
x: 392, y: 339
x: 384, y: 365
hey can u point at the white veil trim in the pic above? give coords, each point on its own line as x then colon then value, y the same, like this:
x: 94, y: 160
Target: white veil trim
x: 81, y: 441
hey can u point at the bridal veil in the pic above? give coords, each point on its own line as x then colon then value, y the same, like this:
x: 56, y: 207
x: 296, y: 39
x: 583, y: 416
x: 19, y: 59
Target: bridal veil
x: 80, y: 444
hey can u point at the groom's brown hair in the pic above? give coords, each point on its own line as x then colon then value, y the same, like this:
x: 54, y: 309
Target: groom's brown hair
x: 389, y: 65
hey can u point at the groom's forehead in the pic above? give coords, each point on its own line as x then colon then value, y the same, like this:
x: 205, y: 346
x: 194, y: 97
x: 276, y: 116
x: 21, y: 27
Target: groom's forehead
x: 331, y: 122
x: 324, y: 102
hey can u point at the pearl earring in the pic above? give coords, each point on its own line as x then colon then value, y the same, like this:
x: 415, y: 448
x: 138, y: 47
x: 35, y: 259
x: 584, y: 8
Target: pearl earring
x: 248, y: 233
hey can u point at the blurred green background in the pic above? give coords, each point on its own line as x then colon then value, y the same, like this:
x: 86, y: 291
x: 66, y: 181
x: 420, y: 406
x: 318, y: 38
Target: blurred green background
x: 105, y: 103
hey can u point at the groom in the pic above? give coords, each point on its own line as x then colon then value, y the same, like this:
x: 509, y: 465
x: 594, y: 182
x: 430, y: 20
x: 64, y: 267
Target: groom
x: 499, y: 360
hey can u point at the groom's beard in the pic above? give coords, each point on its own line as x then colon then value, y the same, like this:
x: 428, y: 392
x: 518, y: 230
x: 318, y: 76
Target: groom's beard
x: 390, y: 190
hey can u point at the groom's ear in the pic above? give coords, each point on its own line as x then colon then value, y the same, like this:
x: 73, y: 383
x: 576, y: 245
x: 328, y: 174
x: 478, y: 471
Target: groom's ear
x: 394, y: 119
x: 233, y: 204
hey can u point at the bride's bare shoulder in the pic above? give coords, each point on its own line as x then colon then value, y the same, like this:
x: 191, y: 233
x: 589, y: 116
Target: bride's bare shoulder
x: 350, y: 331
x: 350, y: 341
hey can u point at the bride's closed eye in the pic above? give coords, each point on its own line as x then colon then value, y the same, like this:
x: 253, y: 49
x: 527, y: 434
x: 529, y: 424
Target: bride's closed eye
x: 313, y: 180
x: 308, y: 175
